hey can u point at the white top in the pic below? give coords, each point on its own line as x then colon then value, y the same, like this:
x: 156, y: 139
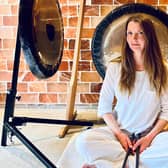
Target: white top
x: 136, y: 112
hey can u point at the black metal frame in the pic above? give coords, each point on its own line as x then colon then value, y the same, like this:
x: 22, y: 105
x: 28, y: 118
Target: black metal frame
x: 10, y: 122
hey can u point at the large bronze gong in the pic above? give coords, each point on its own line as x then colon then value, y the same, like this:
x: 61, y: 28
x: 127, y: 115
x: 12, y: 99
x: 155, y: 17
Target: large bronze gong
x: 107, y: 39
x: 41, y: 35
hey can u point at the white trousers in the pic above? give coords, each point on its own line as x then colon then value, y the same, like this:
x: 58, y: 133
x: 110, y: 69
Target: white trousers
x: 99, y: 146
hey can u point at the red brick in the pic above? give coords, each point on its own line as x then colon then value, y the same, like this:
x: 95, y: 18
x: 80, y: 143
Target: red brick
x: 151, y: 2
x: 62, y: 98
x: 64, y: 76
x: 10, y: 65
x: 14, y: 9
x: 70, y: 33
x: 93, y: 68
x: 57, y: 87
x: 29, y: 77
x: 86, y: 55
x: 22, y: 87
x: 6, y: 32
x: 68, y: 54
x: 85, y: 44
x: 10, y: 20
x: 9, y: 43
x: 73, y: 21
x: 5, y: 10
x: 3, y: 66
x: 96, y: 87
x: 13, y: 1
x: 71, y: 43
x: 38, y: 86
x: 2, y: 98
x: 90, y: 77
x: 105, y: 10
x: 84, y: 66
x: 3, y: 87
x: 65, y: 43
x: 6, y: 54
x: 5, y: 76
x: 63, y: 66
x: 63, y: 2
x: 83, y: 87
x: 89, y: 98
x: 110, y: 2
x: 69, y: 11
x: 87, y: 33
x: 9, y: 85
x: 53, y: 78
x: 74, y: 2
x: 48, y: 98
x: 1, y: 20
x: 162, y: 8
x: 86, y: 22
x: 91, y: 11
x: 65, y: 21
x: 163, y: 2
x: 14, y: 31
x: 28, y: 98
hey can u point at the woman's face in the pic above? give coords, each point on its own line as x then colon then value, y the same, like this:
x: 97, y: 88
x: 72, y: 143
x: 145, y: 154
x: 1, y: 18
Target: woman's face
x: 135, y: 37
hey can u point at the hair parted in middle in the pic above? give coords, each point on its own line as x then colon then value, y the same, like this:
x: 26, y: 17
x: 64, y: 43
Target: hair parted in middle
x: 154, y: 63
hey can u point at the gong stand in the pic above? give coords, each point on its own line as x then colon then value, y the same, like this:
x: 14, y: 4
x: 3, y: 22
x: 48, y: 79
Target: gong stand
x: 73, y: 82
x: 10, y: 122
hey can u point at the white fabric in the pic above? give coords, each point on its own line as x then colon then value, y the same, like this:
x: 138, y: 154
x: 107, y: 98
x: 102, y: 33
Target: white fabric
x: 99, y: 146
x: 138, y: 111
x: 135, y: 113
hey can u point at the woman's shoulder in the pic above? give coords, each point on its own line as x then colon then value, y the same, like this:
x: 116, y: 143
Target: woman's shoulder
x: 114, y: 65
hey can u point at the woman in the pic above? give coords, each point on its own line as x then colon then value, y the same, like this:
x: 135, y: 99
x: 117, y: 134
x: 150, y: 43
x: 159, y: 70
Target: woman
x: 139, y: 83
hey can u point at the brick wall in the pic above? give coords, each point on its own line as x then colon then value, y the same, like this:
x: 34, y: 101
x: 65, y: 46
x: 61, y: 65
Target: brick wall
x: 54, y: 90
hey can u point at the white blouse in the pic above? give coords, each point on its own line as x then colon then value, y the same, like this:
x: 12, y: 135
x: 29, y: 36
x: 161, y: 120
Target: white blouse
x: 136, y: 112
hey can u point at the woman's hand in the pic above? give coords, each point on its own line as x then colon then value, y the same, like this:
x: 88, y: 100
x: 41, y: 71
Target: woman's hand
x: 124, y: 140
x: 143, y: 142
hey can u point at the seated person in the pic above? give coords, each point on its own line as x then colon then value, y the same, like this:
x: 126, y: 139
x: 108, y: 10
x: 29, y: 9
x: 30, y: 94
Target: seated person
x: 139, y: 82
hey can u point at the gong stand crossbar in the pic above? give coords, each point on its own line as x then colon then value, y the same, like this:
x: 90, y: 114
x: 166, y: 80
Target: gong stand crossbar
x: 10, y: 122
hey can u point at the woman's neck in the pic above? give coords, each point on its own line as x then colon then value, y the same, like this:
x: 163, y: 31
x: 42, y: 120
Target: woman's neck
x: 139, y: 62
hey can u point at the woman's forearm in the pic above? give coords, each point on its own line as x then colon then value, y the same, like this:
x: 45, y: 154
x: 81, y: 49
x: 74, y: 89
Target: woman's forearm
x: 112, y: 123
x: 158, y: 127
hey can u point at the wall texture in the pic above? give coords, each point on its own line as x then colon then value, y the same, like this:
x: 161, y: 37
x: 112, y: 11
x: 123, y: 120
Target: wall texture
x: 54, y: 90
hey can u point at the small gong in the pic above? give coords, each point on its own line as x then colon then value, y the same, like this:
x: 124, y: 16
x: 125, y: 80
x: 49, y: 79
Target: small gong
x: 41, y: 35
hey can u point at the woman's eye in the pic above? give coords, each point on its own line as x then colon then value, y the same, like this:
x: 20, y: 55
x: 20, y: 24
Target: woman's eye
x: 129, y: 33
x: 141, y: 32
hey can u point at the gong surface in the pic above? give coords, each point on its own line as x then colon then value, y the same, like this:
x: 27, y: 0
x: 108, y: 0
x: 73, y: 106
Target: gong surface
x: 107, y: 39
x: 41, y: 35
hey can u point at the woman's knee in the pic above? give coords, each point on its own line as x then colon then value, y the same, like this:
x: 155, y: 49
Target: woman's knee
x: 83, y: 140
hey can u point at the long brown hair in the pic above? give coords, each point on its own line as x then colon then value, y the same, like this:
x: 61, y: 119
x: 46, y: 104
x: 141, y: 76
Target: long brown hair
x: 154, y: 63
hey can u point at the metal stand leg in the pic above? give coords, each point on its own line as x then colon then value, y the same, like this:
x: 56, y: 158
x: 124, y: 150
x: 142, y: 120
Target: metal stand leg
x: 11, y: 94
x: 10, y: 122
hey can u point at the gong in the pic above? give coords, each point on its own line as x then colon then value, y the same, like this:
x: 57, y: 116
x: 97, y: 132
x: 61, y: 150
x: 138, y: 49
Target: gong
x: 41, y: 35
x: 107, y: 39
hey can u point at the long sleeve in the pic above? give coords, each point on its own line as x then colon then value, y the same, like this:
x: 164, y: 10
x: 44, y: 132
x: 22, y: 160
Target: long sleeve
x: 164, y: 106
x: 107, y: 91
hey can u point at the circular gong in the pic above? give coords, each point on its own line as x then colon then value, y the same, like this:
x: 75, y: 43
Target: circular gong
x: 41, y: 35
x: 107, y: 39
